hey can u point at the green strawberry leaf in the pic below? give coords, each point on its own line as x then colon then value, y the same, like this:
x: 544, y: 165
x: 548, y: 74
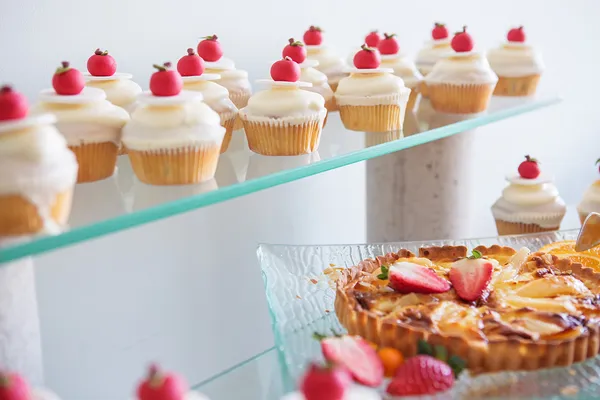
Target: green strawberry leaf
x: 385, y: 270
x: 441, y: 353
x: 424, y: 348
x: 457, y: 364
x: 475, y: 254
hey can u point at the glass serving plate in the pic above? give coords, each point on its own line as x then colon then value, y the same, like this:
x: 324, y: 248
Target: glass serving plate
x: 301, y: 300
x: 122, y: 202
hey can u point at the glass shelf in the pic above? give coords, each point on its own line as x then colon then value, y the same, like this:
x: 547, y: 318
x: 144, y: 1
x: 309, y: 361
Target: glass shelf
x: 122, y: 202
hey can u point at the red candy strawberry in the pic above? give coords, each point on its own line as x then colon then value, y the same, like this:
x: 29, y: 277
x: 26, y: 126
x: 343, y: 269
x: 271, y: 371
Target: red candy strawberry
x: 101, y: 64
x: 439, y: 31
x: 471, y: 276
x: 327, y: 382
x: 407, y: 277
x: 286, y: 70
x: 160, y: 385
x: 13, y: 387
x: 67, y: 81
x: 516, y: 35
x: 191, y: 64
x: 462, y: 41
x: 373, y: 39
x: 367, y: 58
x: 529, y: 169
x: 389, y: 44
x: 313, y: 36
x: 13, y: 105
x: 165, y: 82
x: 295, y: 50
x: 210, y: 49
x: 356, y: 355
x: 421, y: 375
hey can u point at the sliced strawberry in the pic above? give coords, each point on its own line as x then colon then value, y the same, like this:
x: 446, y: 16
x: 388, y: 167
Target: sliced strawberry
x: 471, y: 277
x: 357, y: 356
x: 406, y: 277
x: 421, y: 375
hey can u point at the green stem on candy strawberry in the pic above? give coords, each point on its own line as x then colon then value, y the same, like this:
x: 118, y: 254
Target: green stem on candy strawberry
x: 99, y: 52
x: 65, y: 66
x: 163, y: 67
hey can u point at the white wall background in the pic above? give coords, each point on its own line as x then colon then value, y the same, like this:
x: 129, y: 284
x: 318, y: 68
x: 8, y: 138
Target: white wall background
x: 163, y: 291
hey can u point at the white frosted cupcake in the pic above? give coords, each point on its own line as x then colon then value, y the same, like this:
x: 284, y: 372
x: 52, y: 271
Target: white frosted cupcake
x: 284, y: 120
x: 517, y: 64
x: 37, y: 170
x: 90, y: 124
x: 530, y: 203
x: 173, y: 137
x: 371, y: 99
x: 434, y: 50
x: 463, y: 82
x: 590, y: 201
x: 297, y: 52
x: 191, y: 67
x: 402, y: 65
x: 330, y: 63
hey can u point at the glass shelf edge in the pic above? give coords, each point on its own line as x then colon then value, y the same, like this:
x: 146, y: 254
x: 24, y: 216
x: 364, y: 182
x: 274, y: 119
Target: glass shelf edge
x: 162, y: 211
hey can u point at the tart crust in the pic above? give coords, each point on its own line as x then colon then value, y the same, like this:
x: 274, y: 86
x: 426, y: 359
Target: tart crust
x: 492, y: 354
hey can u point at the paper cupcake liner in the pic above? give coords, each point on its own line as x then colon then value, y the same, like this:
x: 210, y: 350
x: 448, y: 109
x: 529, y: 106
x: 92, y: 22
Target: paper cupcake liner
x: 96, y: 160
x: 122, y: 150
x: 18, y: 216
x: 240, y: 99
x: 228, y: 122
x: 516, y: 228
x: 281, y: 138
x: 333, y: 85
x: 375, y: 119
x: 331, y: 105
x: 424, y: 89
x: 582, y: 216
x: 181, y: 166
x: 521, y: 86
x: 460, y: 99
x: 412, y: 100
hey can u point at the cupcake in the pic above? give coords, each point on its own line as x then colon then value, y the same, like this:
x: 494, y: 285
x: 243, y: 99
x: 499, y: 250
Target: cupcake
x: 591, y: 200
x: 191, y: 67
x: 517, y: 65
x: 37, y: 170
x: 91, y: 124
x: 284, y: 120
x: 530, y: 203
x: 166, y: 386
x: 433, y: 51
x: 371, y: 99
x: 119, y: 88
x: 234, y: 80
x: 173, y: 138
x: 402, y: 66
x: 463, y: 82
x: 297, y: 52
x: 329, y: 63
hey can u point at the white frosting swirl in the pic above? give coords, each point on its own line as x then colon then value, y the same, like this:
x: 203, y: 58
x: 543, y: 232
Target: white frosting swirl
x: 515, y: 60
x: 371, y: 89
x: 36, y: 164
x: 462, y: 68
x: 431, y: 53
x: 120, y: 92
x: 404, y: 68
x: 318, y: 80
x: 330, y: 64
x: 234, y: 80
x: 530, y: 204
x: 159, y: 127
x: 591, y: 199
x: 280, y: 102
x: 215, y: 95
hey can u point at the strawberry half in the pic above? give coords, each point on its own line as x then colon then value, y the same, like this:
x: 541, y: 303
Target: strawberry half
x: 356, y: 355
x: 421, y: 375
x: 406, y: 277
x: 471, y: 276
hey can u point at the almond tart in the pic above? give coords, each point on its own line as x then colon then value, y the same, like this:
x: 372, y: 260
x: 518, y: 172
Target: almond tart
x: 536, y: 310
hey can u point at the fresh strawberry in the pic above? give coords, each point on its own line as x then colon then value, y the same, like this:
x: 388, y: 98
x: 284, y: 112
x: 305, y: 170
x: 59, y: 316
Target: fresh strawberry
x: 471, y: 276
x: 101, y: 64
x: 373, y: 39
x: 210, y: 48
x: 529, y: 169
x: 13, y: 105
x: 355, y: 354
x: 462, y: 42
x: 439, y: 31
x: 313, y: 36
x: 367, y: 58
x: 160, y: 385
x: 421, y: 375
x: 406, y: 277
x: 516, y: 35
x: 295, y: 50
x: 327, y: 382
x: 67, y: 81
x: 13, y: 387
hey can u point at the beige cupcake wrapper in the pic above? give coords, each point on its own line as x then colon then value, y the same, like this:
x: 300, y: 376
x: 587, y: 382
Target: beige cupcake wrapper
x: 521, y: 86
x: 228, y: 120
x: 181, y: 166
x: 460, y: 99
x: 373, y: 119
x: 517, y: 228
x: 96, y: 160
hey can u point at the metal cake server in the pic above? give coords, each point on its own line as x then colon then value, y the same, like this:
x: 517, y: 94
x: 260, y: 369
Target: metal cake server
x: 589, y: 235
